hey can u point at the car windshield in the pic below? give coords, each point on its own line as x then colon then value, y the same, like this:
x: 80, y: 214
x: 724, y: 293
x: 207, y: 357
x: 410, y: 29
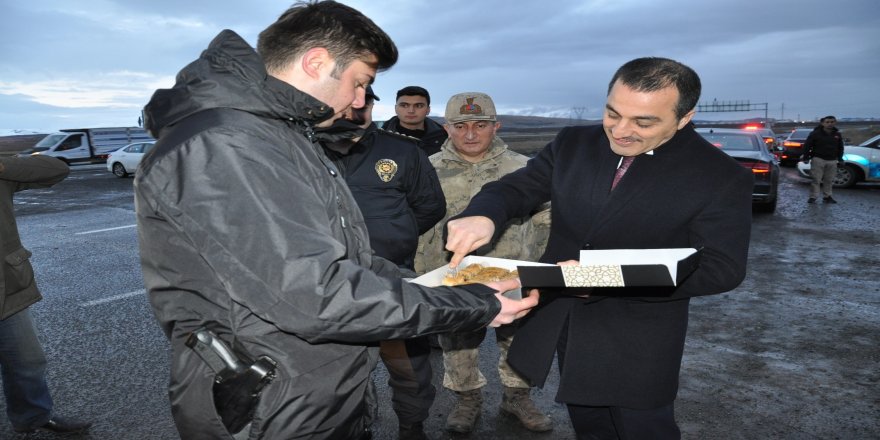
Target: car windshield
x: 50, y: 140
x: 732, y: 141
x: 873, y: 141
x: 800, y: 133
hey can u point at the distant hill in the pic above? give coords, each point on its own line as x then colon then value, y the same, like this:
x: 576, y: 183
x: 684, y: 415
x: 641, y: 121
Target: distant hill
x: 17, y: 132
x: 519, y: 123
x: 14, y: 144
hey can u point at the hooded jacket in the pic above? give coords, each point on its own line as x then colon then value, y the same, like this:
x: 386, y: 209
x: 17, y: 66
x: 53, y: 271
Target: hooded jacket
x: 18, y: 290
x: 434, y: 137
x: 245, y: 226
x: 824, y: 145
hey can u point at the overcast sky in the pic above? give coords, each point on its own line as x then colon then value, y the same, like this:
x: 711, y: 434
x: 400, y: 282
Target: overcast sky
x: 90, y: 63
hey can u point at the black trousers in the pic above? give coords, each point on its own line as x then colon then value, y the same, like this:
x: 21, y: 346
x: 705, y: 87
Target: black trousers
x: 409, y: 369
x: 616, y: 423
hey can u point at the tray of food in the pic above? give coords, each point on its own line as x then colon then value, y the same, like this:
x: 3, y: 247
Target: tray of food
x: 476, y: 269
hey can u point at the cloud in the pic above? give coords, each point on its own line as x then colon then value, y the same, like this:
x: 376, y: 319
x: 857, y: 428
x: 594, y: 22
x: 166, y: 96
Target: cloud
x: 122, y: 89
x: 546, y: 58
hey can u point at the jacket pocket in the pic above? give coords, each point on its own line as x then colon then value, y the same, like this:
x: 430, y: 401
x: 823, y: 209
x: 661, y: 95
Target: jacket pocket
x: 17, y: 271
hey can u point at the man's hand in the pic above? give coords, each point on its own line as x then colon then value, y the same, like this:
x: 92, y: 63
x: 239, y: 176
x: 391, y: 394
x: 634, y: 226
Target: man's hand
x: 466, y: 234
x: 512, y: 309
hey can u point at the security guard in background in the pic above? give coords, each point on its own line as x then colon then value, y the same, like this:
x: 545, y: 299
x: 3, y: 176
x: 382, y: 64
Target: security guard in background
x: 400, y: 197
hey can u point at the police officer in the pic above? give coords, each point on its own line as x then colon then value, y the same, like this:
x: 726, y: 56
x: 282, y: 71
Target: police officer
x: 399, y: 194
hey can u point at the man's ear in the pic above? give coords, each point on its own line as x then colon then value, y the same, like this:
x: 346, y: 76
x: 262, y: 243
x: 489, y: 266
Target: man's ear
x: 686, y: 118
x: 315, y: 60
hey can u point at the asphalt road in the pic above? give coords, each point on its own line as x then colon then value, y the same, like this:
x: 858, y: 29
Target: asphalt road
x: 793, y: 353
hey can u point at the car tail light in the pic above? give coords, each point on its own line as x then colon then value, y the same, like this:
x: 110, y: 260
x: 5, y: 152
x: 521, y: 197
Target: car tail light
x: 757, y: 167
x: 792, y: 143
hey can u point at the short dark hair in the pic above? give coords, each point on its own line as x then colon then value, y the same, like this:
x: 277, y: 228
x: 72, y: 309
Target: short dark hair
x: 826, y: 118
x: 414, y: 91
x: 651, y: 74
x: 347, y: 34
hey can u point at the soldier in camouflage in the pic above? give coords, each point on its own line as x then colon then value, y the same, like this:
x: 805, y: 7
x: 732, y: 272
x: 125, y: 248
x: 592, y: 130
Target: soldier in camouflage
x: 472, y: 156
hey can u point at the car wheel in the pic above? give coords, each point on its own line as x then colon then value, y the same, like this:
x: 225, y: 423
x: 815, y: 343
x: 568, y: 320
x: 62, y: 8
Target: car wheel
x: 846, y: 176
x: 119, y: 170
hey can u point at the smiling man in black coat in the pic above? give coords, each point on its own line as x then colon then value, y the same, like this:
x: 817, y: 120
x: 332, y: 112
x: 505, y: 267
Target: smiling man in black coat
x: 620, y: 349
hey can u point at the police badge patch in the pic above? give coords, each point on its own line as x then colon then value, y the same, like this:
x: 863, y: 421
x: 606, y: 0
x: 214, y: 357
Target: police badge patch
x: 386, y: 168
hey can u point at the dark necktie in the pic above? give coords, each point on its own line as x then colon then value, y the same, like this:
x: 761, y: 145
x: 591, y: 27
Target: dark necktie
x: 621, y: 170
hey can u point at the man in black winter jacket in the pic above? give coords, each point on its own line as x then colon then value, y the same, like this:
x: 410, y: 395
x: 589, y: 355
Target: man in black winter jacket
x: 823, y: 150
x: 247, y: 228
x: 412, y: 107
x: 399, y: 194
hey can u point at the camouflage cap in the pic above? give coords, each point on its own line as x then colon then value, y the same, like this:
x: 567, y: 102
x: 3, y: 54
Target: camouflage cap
x: 470, y: 106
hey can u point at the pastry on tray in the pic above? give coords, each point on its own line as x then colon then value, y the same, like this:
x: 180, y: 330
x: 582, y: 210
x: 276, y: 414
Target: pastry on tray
x: 477, y: 273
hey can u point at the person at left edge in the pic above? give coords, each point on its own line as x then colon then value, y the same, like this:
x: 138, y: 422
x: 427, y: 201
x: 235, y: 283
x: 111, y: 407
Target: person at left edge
x: 246, y: 227
x: 400, y: 196
x: 29, y: 404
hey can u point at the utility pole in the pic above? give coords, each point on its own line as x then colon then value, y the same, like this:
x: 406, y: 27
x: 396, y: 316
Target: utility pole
x: 579, y: 112
x: 782, y: 112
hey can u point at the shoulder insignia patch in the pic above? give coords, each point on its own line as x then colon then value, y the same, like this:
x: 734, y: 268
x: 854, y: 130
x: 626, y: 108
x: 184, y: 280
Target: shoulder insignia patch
x: 386, y: 169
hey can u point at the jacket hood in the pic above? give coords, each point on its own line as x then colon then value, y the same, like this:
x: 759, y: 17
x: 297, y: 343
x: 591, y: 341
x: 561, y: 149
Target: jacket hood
x: 230, y: 74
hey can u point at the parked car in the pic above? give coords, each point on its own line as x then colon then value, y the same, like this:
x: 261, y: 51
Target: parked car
x: 125, y: 160
x: 793, y: 145
x: 766, y: 133
x: 861, y: 163
x: 750, y: 150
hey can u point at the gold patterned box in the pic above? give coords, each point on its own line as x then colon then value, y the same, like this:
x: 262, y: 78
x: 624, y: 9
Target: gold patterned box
x: 617, y: 268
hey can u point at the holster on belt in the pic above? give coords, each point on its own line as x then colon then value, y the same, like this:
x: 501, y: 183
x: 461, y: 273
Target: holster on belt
x: 238, y: 379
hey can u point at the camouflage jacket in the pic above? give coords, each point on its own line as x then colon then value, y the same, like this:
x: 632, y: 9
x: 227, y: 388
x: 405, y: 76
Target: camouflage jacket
x: 523, y: 239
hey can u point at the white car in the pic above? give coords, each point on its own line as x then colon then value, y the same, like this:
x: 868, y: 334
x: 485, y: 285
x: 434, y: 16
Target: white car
x: 125, y: 160
x: 860, y: 163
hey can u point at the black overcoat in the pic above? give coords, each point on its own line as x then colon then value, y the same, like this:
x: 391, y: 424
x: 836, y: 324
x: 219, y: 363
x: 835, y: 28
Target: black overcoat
x: 623, y: 346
